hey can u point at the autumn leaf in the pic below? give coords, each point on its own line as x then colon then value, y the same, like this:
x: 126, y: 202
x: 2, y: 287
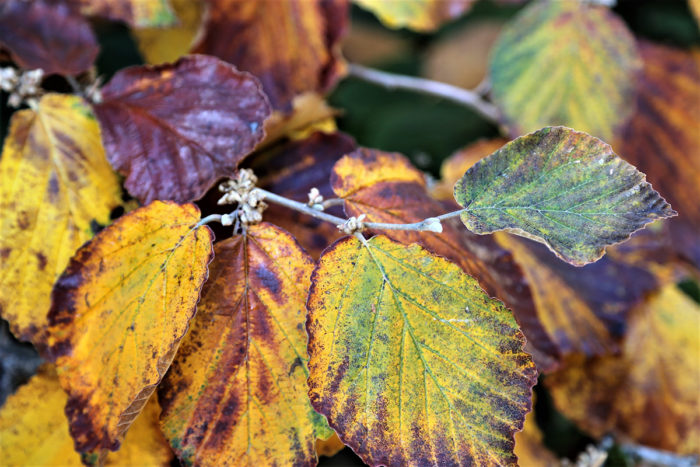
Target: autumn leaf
x: 530, y: 448
x: 648, y: 393
x: 565, y: 63
x: 119, y: 312
x: 34, y: 429
x: 329, y: 447
x: 237, y: 393
x: 291, y: 170
x: 662, y: 138
x: 136, y: 13
x: 418, y: 15
x: 56, y: 189
x: 162, y: 45
x: 50, y: 35
x: 387, y: 188
x: 411, y: 361
x: 560, y: 187
x: 300, y: 50
x: 173, y: 130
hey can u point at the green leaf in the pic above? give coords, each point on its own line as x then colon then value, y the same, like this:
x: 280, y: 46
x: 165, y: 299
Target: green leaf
x: 560, y: 187
x: 411, y: 361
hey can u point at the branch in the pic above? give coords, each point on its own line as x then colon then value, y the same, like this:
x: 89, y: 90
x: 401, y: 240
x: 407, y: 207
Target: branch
x: 462, y: 96
x: 657, y: 456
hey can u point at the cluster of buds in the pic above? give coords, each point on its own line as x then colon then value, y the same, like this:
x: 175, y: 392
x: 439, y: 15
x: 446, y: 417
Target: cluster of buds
x: 352, y: 225
x: 241, y: 191
x: 23, y: 86
x: 315, y: 199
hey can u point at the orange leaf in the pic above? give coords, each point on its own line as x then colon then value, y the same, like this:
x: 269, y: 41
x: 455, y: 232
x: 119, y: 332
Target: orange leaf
x: 237, y: 393
x: 119, y: 312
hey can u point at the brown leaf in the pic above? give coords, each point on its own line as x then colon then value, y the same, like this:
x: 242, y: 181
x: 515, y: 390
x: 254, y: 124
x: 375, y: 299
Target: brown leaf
x: 387, y: 188
x: 291, y: 46
x: 173, y: 130
x: 50, y: 35
x: 662, y: 138
x: 291, y: 170
x: 649, y: 392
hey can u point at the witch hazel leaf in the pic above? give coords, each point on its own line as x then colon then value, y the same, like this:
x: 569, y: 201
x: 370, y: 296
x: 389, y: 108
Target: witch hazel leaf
x: 410, y: 361
x: 174, y: 129
x: 237, y: 392
x: 56, y: 188
x: 560, y: 187
x: 119, y: 312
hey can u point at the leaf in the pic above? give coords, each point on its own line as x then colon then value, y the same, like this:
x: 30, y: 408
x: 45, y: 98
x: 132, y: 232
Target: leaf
x: 300, y: 52
x: 291, y: 170
x: 648, y: 393
x: 410, y: 360
x: 387, y: 188
x: 47, y: 34
x: 119, y: 312
x: 173, y: 130
x: 585, y: 309
x: 564, y: 63
x: 530, y: 448
x: 237, y: 393
x: 56, y: 190
x: 329, y: 447
x: 418, y: 15
x: 560, y: 187
x: 136, y: 13
x: 34, y: 429
x: 662, y: 138
x: 164, y: 45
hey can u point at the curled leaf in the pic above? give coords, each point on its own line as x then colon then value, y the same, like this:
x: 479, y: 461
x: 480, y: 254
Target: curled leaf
x: 292, y: 46
x: 174, y: 129
x: 46, y: 34
x: 411, y: 361
x: 418, y: 15
x: 237, y: 393
x: 565, y: 63
x: 563, y: 188
x: 119, y: 312
x: 56, y: 189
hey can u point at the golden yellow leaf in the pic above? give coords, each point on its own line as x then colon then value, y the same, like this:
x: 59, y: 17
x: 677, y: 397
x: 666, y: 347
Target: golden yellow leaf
x: 56, y: 188
x: 418, y: 15
x: 163, y: 45
x: 237, y: 393
x: 137, y: 13
x: 529, y: 448
x: 34, y: 429
x: 119, y: 312
x: 329, y: 447
x: 411, y: 361
x: 648, y: 393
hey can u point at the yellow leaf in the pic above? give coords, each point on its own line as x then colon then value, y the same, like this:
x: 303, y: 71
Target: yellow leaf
x: 119, y: 312
x: 418, y: 15
x: 237, y: 393
x: 137, y: 13
x: 34, y: 429
x: 411, y: 361
x: 164, y: 45
x: 529, y: 448
x: 329, y: 447
x: 56, y: 187
x: 649, y: 392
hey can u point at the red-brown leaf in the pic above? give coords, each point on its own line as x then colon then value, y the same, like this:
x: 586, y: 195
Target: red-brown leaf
x: 173, y: 130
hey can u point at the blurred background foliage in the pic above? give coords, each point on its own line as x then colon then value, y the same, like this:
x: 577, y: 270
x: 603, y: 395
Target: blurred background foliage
x: 426, y: 129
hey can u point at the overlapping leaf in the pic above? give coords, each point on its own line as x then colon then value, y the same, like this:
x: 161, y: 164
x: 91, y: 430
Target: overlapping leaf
x: 418, y: 15
x: 410, y: 360
x: 47, y: 34
x: 387, y: 188
x: 237, y: 392
x: 560, y: 187
x: 662, y: 138
x: 34, y: 429
x: 291, y: 170
x: 119, y: 312
x: 163, y: 45
x: 648, y: 393
x: 529, y: 446
x: 56, y: 188
x: 137, y: 13
x: 291, y: 46
x: 565, y: 63
x: 173, y: 130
